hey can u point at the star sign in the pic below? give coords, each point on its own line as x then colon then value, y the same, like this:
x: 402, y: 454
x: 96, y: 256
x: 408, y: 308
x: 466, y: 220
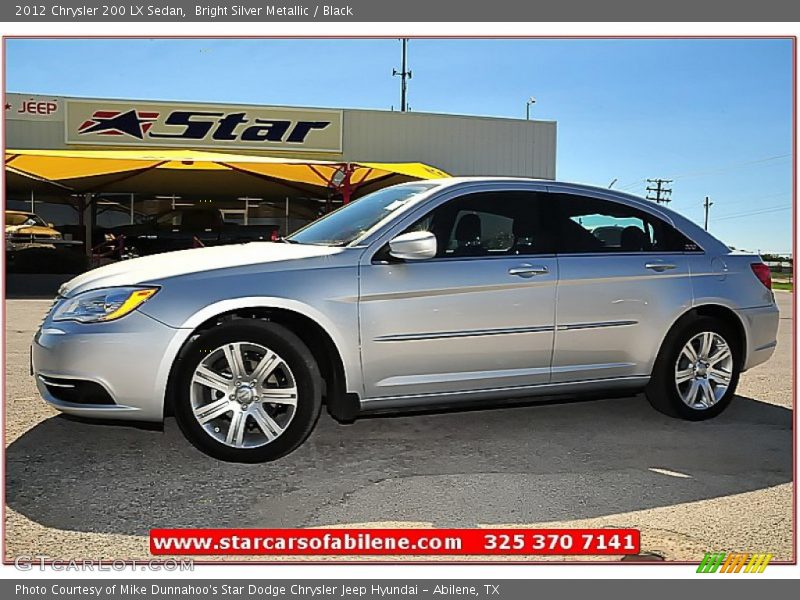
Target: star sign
x: 130, y: 123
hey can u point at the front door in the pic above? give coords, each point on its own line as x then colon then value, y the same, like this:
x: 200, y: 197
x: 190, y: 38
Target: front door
x: 478, y: 316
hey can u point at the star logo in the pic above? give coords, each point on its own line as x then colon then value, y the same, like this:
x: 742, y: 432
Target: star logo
x: 134, y: 123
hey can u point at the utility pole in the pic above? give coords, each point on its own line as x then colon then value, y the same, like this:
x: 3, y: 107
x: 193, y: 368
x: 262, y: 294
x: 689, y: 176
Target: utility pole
x: 707, y: 204
x: 660, y: 189
x: 404, y: 75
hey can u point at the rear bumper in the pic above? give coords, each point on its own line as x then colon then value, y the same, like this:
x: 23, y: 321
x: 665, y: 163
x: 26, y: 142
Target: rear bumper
x: 761, y: 330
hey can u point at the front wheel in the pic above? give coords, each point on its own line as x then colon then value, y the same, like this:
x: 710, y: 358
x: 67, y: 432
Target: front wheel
x: 697, y: 370
x: 247, y: 391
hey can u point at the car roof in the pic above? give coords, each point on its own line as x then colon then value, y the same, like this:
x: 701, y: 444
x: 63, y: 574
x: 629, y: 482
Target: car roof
x: 561, y: 186
x: 452, y: 181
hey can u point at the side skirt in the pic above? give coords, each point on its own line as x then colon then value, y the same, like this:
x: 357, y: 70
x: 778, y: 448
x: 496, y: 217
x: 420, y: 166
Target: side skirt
x: 601, y: 388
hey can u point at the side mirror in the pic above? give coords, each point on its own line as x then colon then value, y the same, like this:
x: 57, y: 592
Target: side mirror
x: 50, y: 225
x: 415, y: 245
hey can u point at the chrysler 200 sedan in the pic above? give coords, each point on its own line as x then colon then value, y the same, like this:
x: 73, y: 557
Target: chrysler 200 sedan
x: 419, y: 295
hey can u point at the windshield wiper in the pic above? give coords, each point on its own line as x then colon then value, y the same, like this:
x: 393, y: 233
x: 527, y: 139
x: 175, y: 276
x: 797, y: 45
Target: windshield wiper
x: 332, y: 243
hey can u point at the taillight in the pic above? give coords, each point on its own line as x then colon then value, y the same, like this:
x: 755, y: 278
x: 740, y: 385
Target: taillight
x: 274, y: 237
x: 762, y: 272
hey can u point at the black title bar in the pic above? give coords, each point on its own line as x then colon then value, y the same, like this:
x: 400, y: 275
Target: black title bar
x: 405, y: 11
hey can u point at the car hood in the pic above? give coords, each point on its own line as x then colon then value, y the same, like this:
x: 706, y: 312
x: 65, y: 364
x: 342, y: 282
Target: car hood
x: 32, y: 230
x: 184, y: 262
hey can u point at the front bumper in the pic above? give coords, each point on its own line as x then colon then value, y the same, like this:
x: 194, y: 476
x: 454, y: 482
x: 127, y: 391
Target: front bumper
x: 125, y: 358
x: 761, y: 331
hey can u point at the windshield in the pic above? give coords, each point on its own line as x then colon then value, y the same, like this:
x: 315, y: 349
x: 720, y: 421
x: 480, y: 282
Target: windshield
x: 351, y: 221
x: 23, y: 219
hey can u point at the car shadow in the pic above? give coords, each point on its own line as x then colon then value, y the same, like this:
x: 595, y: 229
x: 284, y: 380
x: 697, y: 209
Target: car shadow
x: 525, y: 464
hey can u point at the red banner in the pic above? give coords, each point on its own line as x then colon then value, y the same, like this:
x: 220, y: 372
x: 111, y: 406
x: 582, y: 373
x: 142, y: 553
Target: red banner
x: 401, y: 542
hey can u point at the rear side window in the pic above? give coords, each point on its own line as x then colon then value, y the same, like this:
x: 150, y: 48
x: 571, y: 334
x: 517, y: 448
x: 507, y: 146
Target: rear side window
x: 587, y: 225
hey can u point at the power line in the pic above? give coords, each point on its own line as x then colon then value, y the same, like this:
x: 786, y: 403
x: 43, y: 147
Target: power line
x: 722, y: 169
x: 660, y: 189
x: 730, y: 167
x: 755, y: 212
x: 756, y: 209
x: 629, y: 186
x: 754, y: 200
x: 694, y: 209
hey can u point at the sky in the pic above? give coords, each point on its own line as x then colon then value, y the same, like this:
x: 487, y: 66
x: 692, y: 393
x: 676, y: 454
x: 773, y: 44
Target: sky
x: 713, y: 115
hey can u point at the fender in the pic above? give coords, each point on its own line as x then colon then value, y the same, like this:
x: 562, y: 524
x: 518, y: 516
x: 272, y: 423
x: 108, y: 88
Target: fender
x: 708, y: 303
x: 351, y: 363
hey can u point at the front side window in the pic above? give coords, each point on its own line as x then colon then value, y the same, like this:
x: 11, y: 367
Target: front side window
x: 488, y: 224
x: 586, y: 225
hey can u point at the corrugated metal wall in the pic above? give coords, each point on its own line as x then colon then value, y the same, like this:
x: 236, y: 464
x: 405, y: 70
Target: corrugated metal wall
x: 35, y: 135
x: 460, y: 145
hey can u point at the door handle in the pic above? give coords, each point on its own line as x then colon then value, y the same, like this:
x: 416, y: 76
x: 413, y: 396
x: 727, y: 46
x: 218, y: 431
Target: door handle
x: 528, y: 270
x: 659, y: 266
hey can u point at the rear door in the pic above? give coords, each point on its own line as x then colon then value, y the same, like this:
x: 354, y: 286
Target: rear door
x: 623, y: 280
x: 477, y: 316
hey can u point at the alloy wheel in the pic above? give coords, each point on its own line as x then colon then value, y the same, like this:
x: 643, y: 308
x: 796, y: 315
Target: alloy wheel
x: 243, y: 395
x: 704, y: 370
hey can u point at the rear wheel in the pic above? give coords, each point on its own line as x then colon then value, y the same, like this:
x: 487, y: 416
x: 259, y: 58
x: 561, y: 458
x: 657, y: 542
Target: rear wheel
x: 247, y: 391
x: 697, y: 370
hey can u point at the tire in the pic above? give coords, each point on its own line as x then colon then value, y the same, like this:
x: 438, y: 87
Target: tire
x: 247, y: 417
x: 664, y: 391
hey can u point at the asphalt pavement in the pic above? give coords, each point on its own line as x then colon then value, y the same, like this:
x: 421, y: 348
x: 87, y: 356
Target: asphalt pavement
x: 78, y: 489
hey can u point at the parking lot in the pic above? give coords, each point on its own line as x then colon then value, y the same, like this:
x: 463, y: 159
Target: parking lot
x: 79, y: 490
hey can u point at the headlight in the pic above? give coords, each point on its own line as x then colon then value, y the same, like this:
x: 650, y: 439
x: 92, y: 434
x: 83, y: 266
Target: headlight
x: 102, y: 305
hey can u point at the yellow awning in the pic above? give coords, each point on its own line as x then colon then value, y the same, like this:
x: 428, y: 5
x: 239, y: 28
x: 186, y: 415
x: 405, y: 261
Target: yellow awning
x: 192, y: 171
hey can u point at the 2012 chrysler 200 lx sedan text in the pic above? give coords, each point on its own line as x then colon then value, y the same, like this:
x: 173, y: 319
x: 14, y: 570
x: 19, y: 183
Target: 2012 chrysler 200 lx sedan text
x: 417, y: 295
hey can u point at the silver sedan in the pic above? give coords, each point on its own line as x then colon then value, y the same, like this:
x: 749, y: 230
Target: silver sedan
x: 420, y: 295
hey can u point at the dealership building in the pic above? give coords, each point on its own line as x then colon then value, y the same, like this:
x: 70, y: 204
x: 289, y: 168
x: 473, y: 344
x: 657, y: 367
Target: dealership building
x: 85, y: 163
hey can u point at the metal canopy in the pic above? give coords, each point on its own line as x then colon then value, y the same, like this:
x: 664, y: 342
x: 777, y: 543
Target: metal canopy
x: 199, y: 172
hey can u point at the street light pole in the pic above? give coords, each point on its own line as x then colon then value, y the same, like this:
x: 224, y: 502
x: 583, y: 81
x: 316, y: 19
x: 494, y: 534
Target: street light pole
x: 530, y: 101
